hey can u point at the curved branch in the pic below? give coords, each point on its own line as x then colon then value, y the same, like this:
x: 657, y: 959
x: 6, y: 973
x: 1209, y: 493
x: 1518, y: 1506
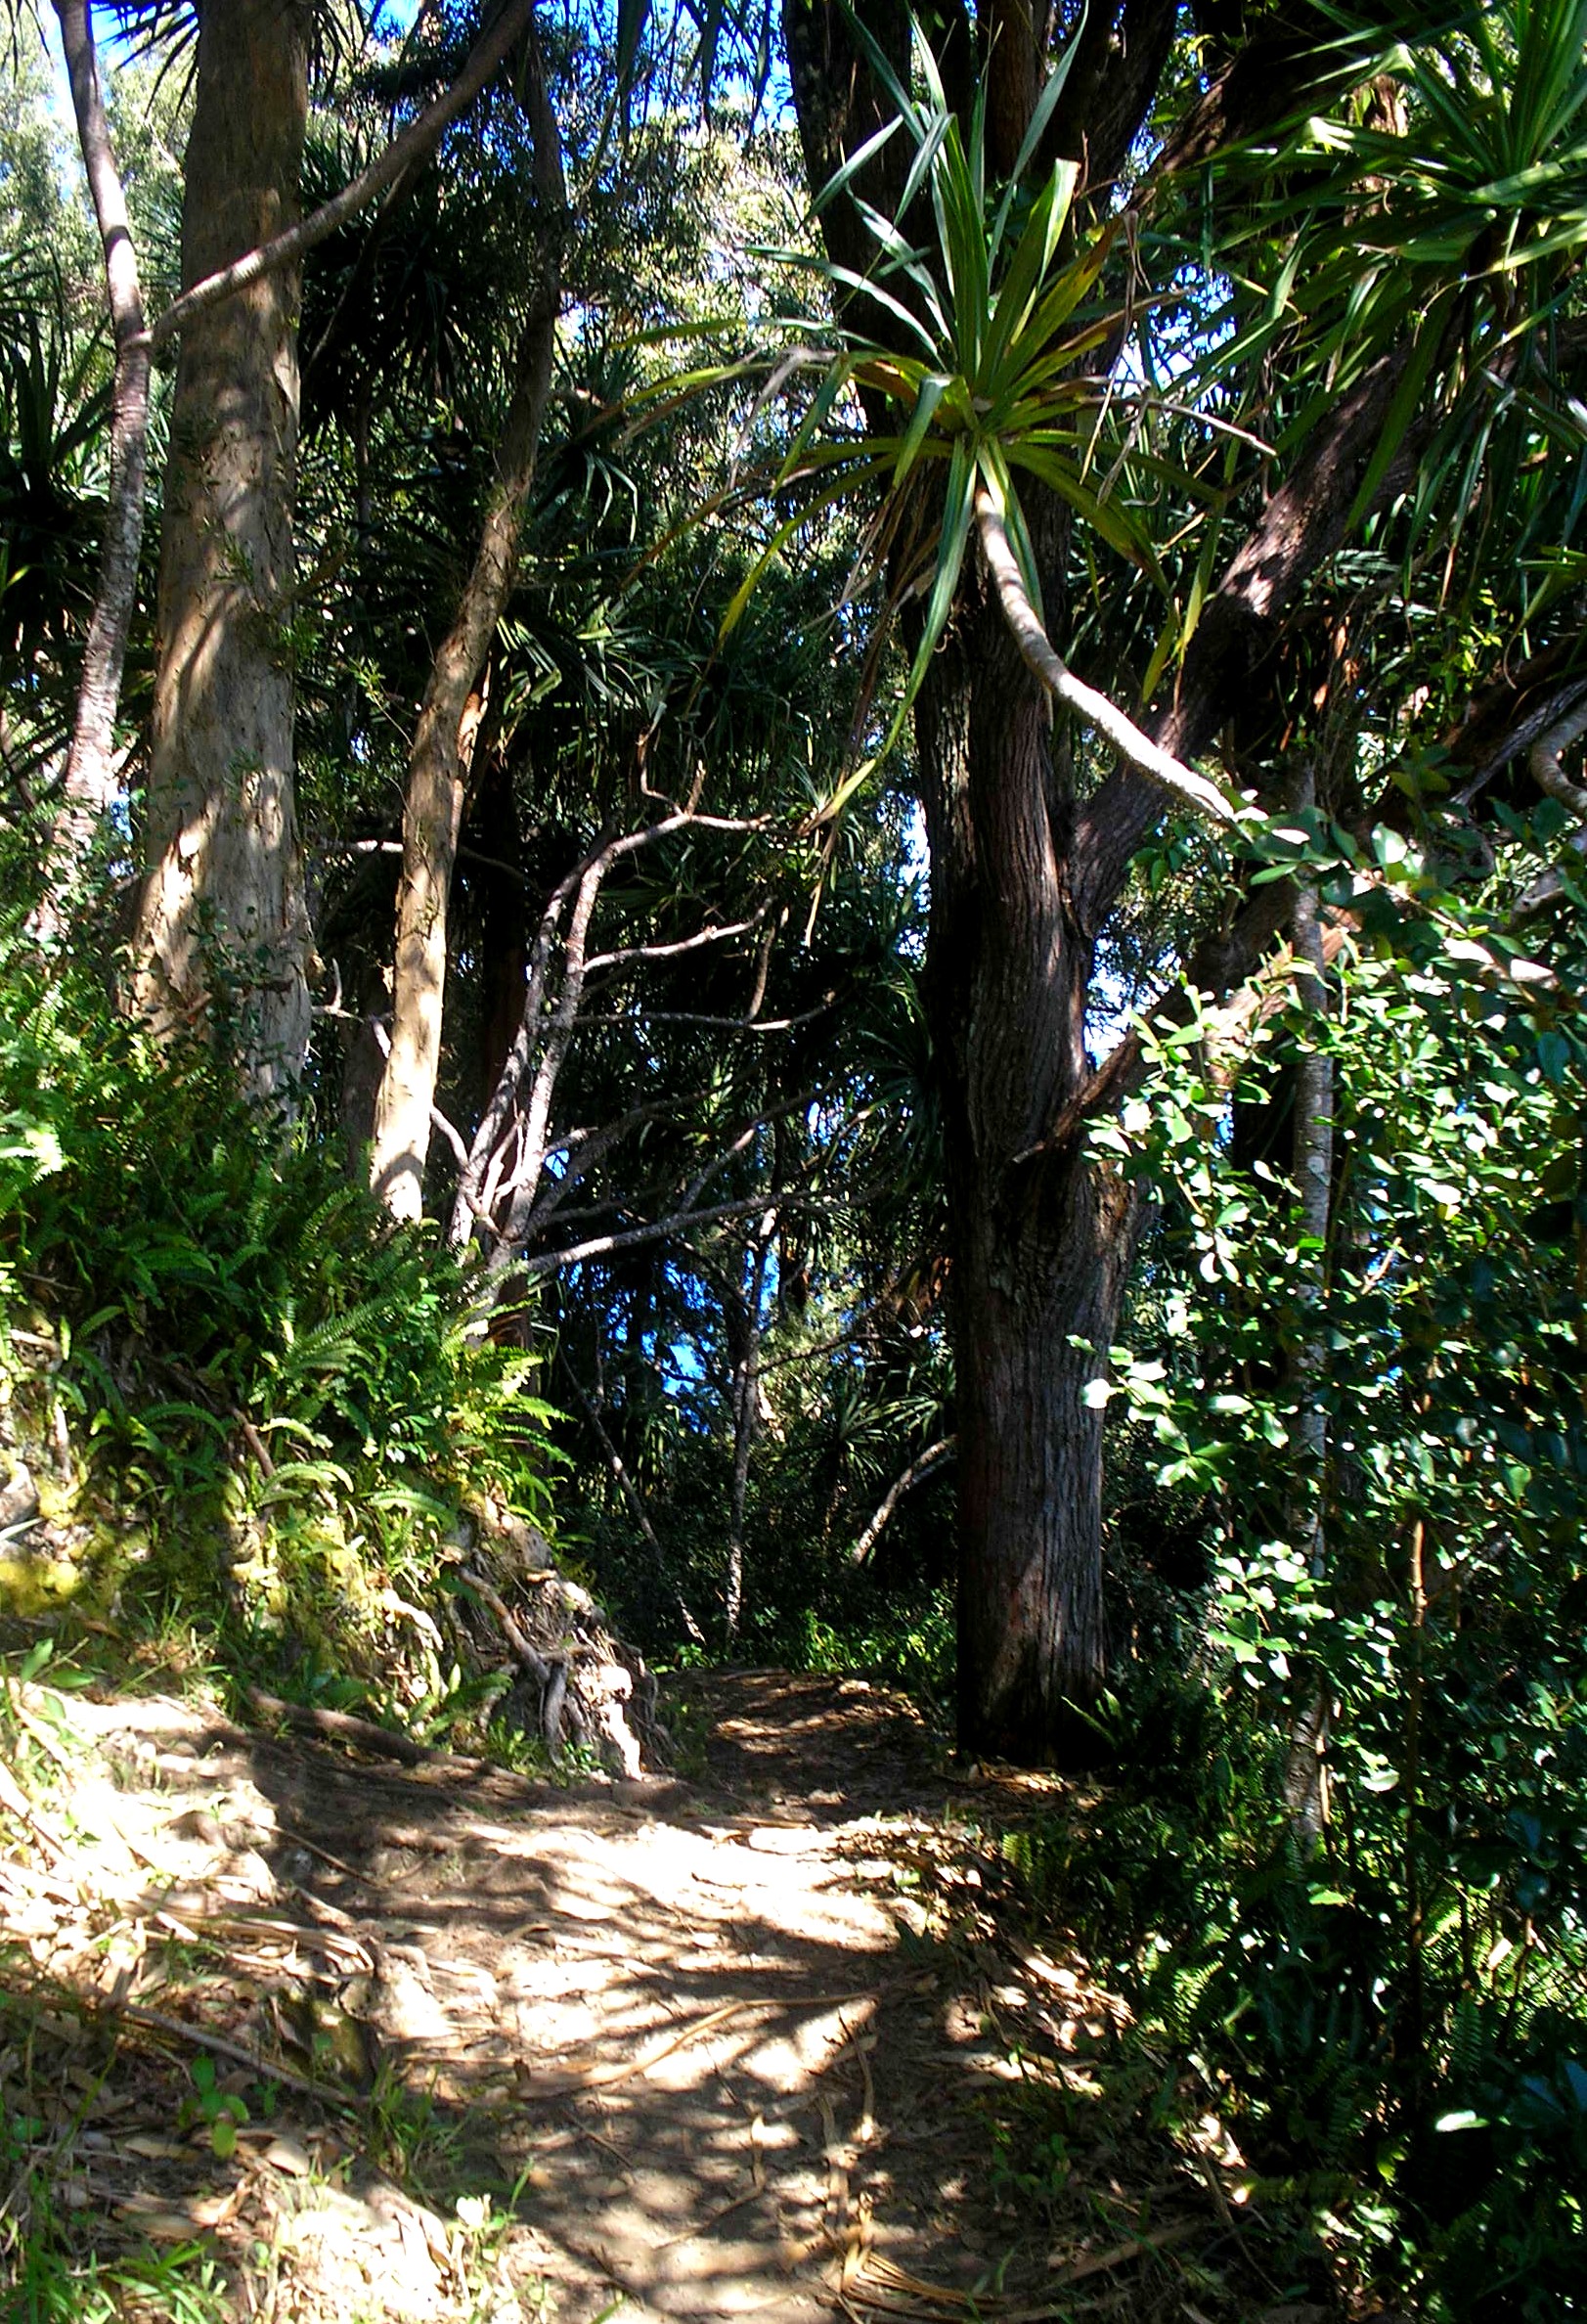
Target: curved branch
x: 385, y: 171
x: 1043, y: 658
x: 1545, y: 754
x: 917, y: 1471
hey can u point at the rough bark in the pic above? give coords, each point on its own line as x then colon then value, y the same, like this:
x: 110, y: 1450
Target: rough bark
x: 438, y: 764
x: 223, y: 938
x: 1039, y: 1247
x: 90, y: 783
x: 1022, y: 877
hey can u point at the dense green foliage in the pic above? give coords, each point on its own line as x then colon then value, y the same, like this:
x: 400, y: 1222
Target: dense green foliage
x: 264, y: 1408
x: 1392, y: 2021
x: 1335, y: 1853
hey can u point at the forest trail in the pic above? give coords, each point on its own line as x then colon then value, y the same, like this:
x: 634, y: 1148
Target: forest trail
x: 743, y: 2038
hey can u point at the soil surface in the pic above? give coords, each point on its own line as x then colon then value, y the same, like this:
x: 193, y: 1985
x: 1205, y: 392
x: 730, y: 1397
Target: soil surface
x: 743, y: 2042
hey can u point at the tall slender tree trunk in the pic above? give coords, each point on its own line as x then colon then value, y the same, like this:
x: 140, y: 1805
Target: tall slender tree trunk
x: 1041, y: 1247
x: 223, y: 936
x: 745, y: 1323
x: 1307, y: 1785
x: 438, y: 766
x: 91, y: 768
x: 1314, y: 1185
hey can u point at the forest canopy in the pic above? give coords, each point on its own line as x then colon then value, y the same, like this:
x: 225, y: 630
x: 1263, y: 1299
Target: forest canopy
x: 807, y: 791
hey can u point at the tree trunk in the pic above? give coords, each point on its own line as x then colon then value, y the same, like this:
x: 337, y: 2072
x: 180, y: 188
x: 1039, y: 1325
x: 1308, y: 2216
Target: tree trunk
x: 744, y: 1324
x: 91, y: 770
x: 1041, y: 1247
x: 1314, y: 1185
x: 437, y: 768
x: 1022, y: 877
x: 1306, y: 1785
x: 223, y: 937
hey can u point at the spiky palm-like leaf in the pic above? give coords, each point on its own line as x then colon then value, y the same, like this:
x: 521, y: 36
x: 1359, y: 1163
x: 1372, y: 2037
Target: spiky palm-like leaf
x: 1456, y: 238
x: 972, y: 344
x: 975, y: 353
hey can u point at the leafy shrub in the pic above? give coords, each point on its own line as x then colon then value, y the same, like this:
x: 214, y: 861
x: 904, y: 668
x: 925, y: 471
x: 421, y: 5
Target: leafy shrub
x: 1378, y: 1979
x: 278, y: 1399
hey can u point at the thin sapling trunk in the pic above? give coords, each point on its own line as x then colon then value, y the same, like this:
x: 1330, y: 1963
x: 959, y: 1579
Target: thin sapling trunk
x: 90, y: 783
x: 438, y: 766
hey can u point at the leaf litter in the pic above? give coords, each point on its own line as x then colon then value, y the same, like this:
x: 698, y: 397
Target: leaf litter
x: 339, y: 2040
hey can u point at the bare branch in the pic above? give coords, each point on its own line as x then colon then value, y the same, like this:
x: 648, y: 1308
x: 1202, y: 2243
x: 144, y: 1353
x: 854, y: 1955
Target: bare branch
x: 724, y: 1024
x: 667, y: 1230
x: 670, y: 952
x: 918, y: 1470
x: 383, y: 1041
x: 1545, y: 755
x: 387, y: 167
x: 1043, y: 658
x: 1518, y: 734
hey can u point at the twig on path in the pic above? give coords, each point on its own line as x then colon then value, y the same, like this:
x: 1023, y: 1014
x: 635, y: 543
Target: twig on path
x: 606, y: 2077
x: 383, y: 1742
x: 133, y: 2013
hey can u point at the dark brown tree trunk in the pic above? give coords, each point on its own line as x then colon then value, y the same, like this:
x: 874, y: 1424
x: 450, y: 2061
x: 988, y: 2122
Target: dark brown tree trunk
x: 223, y: 937
x: 1032, y: 1638
x: 1041, y: 1247
x: 1023, y: 877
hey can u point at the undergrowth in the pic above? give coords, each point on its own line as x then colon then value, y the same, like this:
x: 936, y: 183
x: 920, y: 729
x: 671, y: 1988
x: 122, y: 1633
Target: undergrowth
x: 1401, y: 2063
x: 254, y: 1409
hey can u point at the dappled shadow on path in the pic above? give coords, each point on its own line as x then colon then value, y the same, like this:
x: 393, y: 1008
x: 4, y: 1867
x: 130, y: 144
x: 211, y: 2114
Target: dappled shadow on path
x: 712, y: 2032
x: 751, y: 2045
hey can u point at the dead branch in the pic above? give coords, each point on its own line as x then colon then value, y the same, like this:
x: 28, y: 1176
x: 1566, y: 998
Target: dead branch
x: 387, y: 167
x: 438, y: 1121
x: 917, y: 1471
x: 135, y: 2014
x: 667, y: 1229
x: 363, y: 1733
x: 687, y: 944
x: 1545, y: 755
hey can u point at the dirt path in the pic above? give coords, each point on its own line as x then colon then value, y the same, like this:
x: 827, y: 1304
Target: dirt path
x: 742, y: 2041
